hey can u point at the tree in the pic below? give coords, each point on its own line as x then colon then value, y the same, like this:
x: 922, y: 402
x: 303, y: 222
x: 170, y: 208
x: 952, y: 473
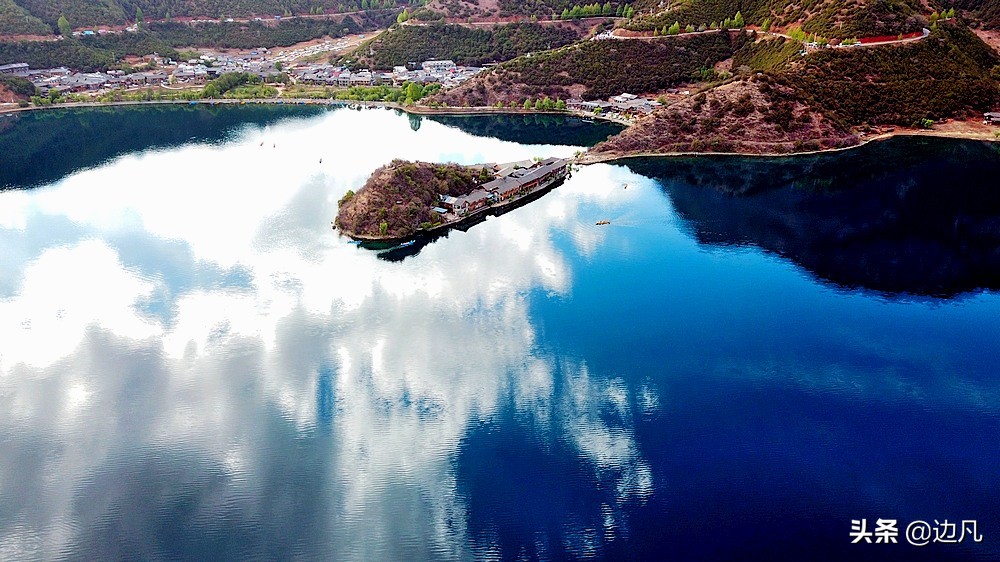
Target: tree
x: 139, y: 22
x: 403, y: 16
x: 278, y: 66
x: 766, y: 26
x: 65, y: 29
x: 738, y: 20
x: 414, y: 91
x: 527, y: 104
x: 607, y: 9
x: 689, y: 28
x: 951, y: 13
x: 674, y: 29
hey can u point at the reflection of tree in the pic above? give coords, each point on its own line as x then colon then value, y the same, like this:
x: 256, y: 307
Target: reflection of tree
x: 532, y: 128
x: 415, y: 121
x: 37, y: 150
x: 909, y: 216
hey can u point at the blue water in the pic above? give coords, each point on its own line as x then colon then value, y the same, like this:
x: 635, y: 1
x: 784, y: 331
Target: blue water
x: 752, y: 354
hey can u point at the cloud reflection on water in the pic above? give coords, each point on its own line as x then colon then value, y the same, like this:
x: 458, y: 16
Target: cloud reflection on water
x: 130, y: 386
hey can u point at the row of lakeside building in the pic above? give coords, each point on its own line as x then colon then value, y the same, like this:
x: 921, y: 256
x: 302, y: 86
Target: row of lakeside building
x: 510, y: 181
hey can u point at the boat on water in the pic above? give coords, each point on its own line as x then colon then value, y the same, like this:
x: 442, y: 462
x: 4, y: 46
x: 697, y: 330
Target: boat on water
x: 602, y: 222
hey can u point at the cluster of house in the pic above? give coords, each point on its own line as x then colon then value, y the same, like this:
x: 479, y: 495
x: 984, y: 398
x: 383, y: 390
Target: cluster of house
x: 509, y: 181
x: 445, y: 72
x: 63, y: 80
x: 624, y: 105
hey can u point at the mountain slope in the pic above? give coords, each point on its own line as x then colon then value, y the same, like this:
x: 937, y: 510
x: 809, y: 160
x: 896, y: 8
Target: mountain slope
x: 596, y: 69
x: 830, y: 18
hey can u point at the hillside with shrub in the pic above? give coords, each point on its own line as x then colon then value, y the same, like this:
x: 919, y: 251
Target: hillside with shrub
x: 248, y: 35
x: 396, y: 200
x: 952, y: 73
x: 101, y: 52
x: 464, y: 45
x: 758, y: 115
x: 829, y: 18
x: 597, y: 69
x: 987, y: 12
x: 41, y: 16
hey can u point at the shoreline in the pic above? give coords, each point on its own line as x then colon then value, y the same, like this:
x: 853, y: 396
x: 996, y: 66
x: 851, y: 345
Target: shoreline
x: 586, y: 158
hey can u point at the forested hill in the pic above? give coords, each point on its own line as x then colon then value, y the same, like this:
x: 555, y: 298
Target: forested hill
x: 597, y: 69
x: 464, y: 45
x: 41, y: 16
x: 104, y: 51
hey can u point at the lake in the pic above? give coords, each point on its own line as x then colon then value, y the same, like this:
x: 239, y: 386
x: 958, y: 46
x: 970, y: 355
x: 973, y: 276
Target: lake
x: 754, y: 353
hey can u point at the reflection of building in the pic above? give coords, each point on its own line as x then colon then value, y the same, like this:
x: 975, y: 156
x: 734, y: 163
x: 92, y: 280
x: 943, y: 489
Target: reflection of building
x: 992, y: 117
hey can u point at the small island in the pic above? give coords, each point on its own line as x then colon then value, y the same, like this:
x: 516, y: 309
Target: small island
x: 403, y: 200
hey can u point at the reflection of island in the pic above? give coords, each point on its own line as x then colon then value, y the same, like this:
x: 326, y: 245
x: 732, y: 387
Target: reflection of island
x: 928, y: 226
x: 404, y: 199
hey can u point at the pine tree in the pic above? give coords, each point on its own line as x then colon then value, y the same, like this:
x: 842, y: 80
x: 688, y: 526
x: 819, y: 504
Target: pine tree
x: 738, y: 20
x: 139, y: 22
x: 674, y: 29
x: 65, y: 29
x: 766, y: 26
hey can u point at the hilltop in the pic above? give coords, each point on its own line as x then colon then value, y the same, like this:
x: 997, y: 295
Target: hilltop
x: 398, y: 197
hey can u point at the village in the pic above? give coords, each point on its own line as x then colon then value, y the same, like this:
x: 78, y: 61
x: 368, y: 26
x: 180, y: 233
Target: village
x: 166, y: 73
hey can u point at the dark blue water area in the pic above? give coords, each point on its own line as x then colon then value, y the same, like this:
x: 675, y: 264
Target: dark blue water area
x: 790, y: 402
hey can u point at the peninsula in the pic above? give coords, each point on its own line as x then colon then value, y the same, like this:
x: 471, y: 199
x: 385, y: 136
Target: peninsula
x: 403, y: 200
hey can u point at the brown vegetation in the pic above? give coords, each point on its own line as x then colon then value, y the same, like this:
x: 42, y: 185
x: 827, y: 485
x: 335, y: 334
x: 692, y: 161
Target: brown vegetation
x: 753, y: 116
x: 396, y: 200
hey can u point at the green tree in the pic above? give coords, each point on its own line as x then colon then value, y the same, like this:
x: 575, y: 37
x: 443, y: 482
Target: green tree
x: 766, y: 26
x: 607, y: 9
x: 674, y: 29
x: 414, y: 91
x: 951, y: 13
x: 527, y: 103
x: 65, y: 29
x: 738, y: 20
x: 139, y: 21
x: 689, y: 28
x: 383, y: 227
x: 403, y: 16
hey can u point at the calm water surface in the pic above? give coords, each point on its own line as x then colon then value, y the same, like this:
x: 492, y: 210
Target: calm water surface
x: 193, y: 365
